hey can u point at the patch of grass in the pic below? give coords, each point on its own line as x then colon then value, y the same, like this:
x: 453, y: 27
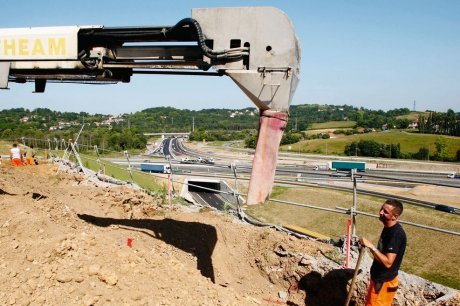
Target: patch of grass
x: 217, y: 143
x: 442, y: 279
x: 5, y: 147
x: 413, y: 115
x: 427, y: 254
x: 409, y: 142
x: 145, y: 180
x: 332, y: 125
x: 278, y: 190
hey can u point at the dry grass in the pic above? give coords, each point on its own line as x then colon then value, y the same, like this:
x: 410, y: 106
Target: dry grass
x: 332, y: 125
x: 413, y: 115
x: 429, y: 254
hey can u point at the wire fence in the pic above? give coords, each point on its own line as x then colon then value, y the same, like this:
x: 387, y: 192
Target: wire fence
x: 62, y: 146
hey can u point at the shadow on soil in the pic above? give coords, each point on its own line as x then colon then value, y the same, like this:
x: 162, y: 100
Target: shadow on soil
x: 328, y: 290
x: 195, y: 238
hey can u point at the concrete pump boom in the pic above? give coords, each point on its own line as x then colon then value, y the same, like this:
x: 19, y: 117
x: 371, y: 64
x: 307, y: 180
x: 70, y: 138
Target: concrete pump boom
x: 255, y: 46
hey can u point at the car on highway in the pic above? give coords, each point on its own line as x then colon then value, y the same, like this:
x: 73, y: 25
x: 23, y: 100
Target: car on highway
x: 454, y: 175
x: 445, y: 208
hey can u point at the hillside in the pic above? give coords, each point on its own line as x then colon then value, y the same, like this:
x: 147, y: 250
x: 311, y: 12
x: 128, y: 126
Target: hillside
x: 409, y: 142
x: 71, y: 240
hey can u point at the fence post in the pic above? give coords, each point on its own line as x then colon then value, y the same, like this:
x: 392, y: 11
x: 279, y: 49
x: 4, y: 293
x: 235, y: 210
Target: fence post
x: 169, y: 188
x: 129, y: 166
x: 353, y: 177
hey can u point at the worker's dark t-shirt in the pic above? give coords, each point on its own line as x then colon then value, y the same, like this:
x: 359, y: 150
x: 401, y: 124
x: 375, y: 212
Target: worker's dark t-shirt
x: 392, y: 240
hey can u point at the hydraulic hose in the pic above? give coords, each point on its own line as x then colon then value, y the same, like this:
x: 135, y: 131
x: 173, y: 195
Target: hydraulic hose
x: 212, y: 54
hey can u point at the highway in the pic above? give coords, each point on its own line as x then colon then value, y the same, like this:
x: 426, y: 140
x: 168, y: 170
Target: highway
x: 209, y: 198
x: 174, y: 147
x: 291, y: 174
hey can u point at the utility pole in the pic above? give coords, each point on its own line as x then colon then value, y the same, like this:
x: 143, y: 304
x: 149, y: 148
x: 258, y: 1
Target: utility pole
x: 193, y: 124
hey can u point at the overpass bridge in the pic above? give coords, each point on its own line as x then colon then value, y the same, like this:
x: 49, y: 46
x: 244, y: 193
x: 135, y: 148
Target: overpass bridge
x: 164, y: 135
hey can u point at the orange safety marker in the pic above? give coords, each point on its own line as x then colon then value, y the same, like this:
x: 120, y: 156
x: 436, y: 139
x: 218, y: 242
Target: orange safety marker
x: 348, y: 245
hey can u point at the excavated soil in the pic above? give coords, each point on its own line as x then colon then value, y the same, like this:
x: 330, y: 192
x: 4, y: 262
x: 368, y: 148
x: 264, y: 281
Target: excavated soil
x: 71, y: 240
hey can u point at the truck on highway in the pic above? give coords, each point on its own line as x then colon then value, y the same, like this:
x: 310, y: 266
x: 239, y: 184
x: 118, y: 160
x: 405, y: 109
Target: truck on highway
x: 322, y: 167
x: 155, y: 168
x: 348, y: 166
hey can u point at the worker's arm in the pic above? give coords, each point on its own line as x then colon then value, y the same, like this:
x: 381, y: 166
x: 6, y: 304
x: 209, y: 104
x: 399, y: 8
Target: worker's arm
x: 386, y: 259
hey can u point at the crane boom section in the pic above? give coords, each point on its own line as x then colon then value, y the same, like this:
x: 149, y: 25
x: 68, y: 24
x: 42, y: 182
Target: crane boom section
x: 255, y: 46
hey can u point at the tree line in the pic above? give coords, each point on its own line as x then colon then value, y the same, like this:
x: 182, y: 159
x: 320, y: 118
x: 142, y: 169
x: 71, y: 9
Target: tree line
x: 209, y: 124
x: 372, y: 148
x: 440, y: 123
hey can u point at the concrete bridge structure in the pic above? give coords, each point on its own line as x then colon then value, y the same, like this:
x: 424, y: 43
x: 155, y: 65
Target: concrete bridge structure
x: 164, y: 135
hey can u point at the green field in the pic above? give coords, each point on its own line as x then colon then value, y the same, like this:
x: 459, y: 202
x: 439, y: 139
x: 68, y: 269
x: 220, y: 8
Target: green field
x: 431, y: 255
x: 332, y: 125
x: 144, y: 180
x: 410, y: 142
x: 413, y: 115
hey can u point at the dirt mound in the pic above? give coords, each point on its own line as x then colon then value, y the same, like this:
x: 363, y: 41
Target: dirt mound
x: 67, y: 240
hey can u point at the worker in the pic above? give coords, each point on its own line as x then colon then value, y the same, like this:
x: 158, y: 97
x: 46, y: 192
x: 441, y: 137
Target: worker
x: 15, y: 155
x: 388, y: 255
x: 30, y: 155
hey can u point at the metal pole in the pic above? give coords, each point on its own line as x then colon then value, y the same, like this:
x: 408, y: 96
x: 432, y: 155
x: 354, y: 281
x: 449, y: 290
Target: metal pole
x: 170, y: 167
x: 353, y: 213
x: 169, y: 188
x: 129, y: 166
x: 77, y: 156
x: 236, y: 192
x: 98, y: 158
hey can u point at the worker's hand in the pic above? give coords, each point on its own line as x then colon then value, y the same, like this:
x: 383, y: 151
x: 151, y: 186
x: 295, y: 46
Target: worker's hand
x: 365, y: 242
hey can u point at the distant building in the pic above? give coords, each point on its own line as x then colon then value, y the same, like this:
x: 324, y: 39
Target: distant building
x: 113, y: 119
x: 413, y: 125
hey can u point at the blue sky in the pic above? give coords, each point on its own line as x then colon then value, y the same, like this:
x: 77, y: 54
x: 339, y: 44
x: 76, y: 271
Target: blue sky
x: 374, y: 54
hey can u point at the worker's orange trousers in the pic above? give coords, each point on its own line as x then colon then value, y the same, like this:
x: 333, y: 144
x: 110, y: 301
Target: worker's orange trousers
x: 16, y: 162
x: 30, y: 160
x: 385, y: 296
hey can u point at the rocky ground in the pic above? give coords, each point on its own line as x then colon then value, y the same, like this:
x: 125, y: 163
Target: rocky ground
x: 73, y: 240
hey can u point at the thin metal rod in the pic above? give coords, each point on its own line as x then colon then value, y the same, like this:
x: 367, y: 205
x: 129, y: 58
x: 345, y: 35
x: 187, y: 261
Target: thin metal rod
x: 129, y: 165
x: 178, y: 72
x: 353, y: 215
x: 310, y: 206
x: 409, y: 180
x: 406, y: 222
